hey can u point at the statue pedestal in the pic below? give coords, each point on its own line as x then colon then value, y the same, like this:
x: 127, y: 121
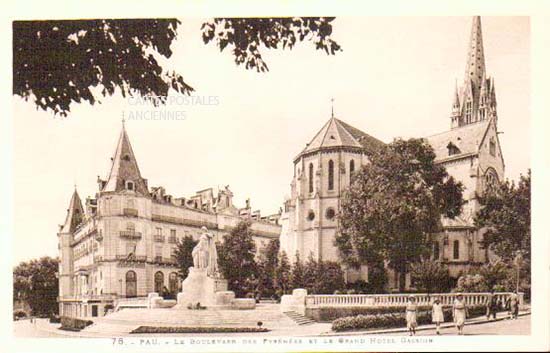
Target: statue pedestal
x: 198, y: 287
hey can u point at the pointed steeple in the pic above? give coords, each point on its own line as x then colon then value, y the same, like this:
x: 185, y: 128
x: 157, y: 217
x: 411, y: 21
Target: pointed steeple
x: 75, y: 212
x: 475, y: 67
x: 476, y: 101
x: 125, y: 173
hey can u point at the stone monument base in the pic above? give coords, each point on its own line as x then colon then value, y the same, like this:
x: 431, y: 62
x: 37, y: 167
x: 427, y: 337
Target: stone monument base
x: 199, y: 288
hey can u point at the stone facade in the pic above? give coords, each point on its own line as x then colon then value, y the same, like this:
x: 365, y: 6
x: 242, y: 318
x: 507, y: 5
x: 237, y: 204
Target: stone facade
x: 470, y: 152
x: 120, y: 244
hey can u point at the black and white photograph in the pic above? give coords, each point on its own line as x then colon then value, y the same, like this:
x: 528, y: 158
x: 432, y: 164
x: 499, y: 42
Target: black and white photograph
x: 208, y: 182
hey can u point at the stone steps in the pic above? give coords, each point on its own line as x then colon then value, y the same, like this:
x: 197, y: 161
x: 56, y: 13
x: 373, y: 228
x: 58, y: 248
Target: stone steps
x: 299, y: 318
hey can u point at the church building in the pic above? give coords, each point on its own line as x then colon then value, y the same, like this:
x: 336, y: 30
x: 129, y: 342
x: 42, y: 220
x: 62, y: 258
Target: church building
x: 469, y: 150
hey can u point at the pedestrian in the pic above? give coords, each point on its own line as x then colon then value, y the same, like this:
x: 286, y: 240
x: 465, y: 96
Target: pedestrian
x: 514, y: 306
x: 491, y: 305
x: 437, y: 314
x: 459, y: 313
x: 411, y: 315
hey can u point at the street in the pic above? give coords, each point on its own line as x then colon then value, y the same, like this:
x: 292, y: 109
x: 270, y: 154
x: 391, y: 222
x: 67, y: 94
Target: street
x: 521, y: 326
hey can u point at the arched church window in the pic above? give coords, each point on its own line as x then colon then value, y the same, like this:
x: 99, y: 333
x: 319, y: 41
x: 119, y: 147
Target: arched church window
x: 491, y: 179
x: 351, y: 167
x: 310, y: 177
x: 331, y: 175
x: 456, y: 249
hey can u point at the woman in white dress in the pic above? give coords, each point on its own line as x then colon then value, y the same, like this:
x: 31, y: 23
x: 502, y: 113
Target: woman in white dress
x: 437, y: 314
x: 459, y: 313
x: 411, y: 316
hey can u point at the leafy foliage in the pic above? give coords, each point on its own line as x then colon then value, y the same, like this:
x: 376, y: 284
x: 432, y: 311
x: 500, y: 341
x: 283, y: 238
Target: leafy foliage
x: 36, y: 283
x: 323, y: 277
x: 58, y: 63
x: 430, y: 277
x: 282, y: 274
x: 297, y: 273
x: 393, y: 204
x: 473, y: 283
x: 236, y: 259
x: 506, y: 213
x: 267, y: 265
x: 184, y: 256
x: 245, y: 36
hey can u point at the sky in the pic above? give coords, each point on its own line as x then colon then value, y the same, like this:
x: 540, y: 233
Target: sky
x: 394, y: 78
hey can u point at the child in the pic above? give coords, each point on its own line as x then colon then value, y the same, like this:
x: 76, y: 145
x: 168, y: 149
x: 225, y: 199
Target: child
x: 437, y: 314
x: 411, y: 316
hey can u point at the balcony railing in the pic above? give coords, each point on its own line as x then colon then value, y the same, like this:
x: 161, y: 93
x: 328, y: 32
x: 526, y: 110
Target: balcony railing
x: 131, y: 212
x: 159, y: 238
x: 132, y: 258
x: 164, y: 260
x: 130, y: 234
x: 172, y: 239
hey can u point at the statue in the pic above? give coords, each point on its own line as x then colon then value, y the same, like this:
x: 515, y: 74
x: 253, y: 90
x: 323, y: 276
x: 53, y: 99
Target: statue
x: 205, y: 254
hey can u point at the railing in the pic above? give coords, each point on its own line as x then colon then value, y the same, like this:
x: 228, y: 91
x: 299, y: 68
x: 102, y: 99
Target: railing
x: 159, y: 238
x: 184, y: 221
x: 132, y: 212
x: 172, y: 239
x: 399, y: 299
x: 130, y: 258
x: 130, y: 234
x: 164, y: 260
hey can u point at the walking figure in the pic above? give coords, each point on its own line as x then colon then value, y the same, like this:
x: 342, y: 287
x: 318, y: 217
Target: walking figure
x: 437, y: 314
x: 514, y: 306
x: 411, y: 316
x: 491, y: 305
x: 459, y: 313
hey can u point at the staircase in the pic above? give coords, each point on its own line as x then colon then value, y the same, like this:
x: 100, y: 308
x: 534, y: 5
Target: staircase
x: 299, y: 318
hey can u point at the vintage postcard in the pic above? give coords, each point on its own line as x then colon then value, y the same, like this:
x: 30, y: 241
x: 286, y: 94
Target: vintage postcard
x: 233, y: 179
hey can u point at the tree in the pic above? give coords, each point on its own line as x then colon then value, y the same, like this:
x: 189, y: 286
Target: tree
x: 36, y: 283
x: 394, y: 204
x: 58, y: 63
x: 281, y: 278
x: 297, y: 273
x: 323, y: 277
x: 506, y: 214
x: 267, y: 265
x: 236, y: 259
x: 430, y: 277
x: 474, y: 283
x: 184, y: 256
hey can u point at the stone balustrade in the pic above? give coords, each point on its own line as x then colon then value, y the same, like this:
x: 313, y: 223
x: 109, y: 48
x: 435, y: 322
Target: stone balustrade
x: 373, y: 300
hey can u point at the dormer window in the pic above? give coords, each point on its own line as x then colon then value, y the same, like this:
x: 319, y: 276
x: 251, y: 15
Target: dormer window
x: 453, y: 149
x: 130, y: 186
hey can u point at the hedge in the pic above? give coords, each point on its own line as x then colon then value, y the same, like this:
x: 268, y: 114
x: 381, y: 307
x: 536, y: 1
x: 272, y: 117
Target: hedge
x: 396, y: 319
x: 74, y: 324
x: 175, y: 329
x: 329, y: 314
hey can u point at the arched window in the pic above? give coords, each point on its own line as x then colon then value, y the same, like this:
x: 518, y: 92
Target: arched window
x: 491, y: 179
x: 173, y: 282
x: 351, y: 167
x: 310, y: 176
x: 456, y: 250
x: 159, y: 282
x: 436, y: 250
x: 131, y: 284
x: 331, y: 175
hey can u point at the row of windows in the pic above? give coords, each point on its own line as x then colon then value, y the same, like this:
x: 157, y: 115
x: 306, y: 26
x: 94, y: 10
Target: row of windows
x: 330, y: 174
x: 330, y: 213
x: 131, y: 283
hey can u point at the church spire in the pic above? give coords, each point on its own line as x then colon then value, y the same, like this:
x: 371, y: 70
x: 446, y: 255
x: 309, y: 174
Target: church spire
x: 475, y: 67
x: 125, y: 173
x: 75, y: 213
x: 476, y: 104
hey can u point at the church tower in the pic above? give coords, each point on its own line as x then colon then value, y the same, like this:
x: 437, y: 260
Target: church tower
x: 476, y: 100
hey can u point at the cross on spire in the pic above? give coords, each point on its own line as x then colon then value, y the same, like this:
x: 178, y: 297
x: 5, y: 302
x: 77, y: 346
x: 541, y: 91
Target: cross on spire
x: 332, y: 107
